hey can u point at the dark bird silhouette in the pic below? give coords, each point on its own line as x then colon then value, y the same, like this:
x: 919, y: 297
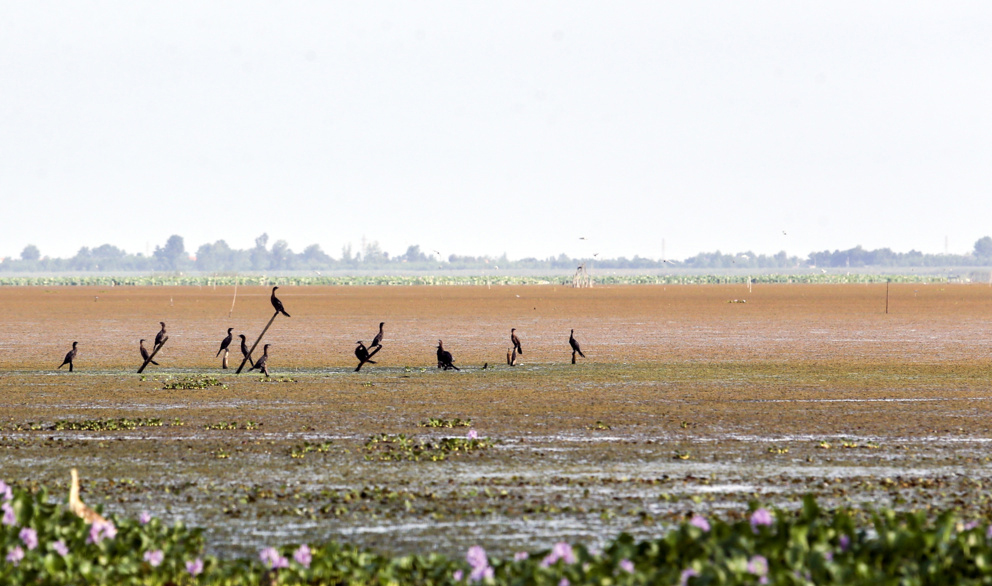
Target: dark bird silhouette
x: 226, y: 341
x: 444, y: 358
x: 516, y: 341
x: 377, y: 340
x: 144, y: 352
x: 575, y: 346
x: 511, y: 356
x: 363, y: 355
x: 244, y: 349
x: 263, y: 362
x: 277, y: 304
x: 160, y: 336
x: 69, y: 357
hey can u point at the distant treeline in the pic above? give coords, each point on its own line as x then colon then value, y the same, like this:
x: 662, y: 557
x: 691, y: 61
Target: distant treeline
x: 219, y: 257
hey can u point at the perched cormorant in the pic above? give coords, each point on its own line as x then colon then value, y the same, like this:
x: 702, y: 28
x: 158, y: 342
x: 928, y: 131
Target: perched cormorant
x: 377, y: 340
x: 277, y: 304
x: 244, y: 349
x: 363, y: 355
x: 516, y: 341
x: 444, y: 358
x: 77, y: 506
x: 226, y: 341
x: 160, y: 336
x: 262, y: 363
x: 144, y: 352
x: 575, y: 346
x: 70, y: 355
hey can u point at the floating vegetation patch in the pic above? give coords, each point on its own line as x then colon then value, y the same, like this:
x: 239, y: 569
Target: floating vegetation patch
x: 193, y: 382
x: 276, y: 379
x: 305, y: 448
x: 119, y: 424
x: 437, y: 422
x: 226, y: 425
x: 386, y: 447
x: 598, y: 426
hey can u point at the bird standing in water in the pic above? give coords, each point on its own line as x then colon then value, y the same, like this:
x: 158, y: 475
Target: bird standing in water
x: 277, y: 304
x: 144, y: 352
x: 516, y: 341
x: 244, y: 349
x: 160, y: 336
x: 263, y: 362
x: 377, y: 340
x: 69, y: 357
x: 575, y: 346
x: 444, y: 358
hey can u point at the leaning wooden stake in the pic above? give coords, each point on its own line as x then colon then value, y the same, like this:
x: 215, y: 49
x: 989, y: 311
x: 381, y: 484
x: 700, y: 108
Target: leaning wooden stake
x: 154, y: 352
x: 260, y: 336
x: 887, y: 296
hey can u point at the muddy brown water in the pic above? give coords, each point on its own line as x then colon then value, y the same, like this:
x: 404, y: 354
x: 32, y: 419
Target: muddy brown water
x: 709, y: 403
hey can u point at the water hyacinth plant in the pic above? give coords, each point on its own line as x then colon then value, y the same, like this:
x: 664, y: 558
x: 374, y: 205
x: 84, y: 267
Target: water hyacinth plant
x: 47, y: 545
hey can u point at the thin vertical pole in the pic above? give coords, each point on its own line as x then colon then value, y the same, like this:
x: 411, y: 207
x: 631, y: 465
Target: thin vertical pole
x: 887, y: 296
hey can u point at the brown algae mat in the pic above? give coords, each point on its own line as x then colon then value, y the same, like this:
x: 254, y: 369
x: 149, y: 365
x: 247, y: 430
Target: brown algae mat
x: 690, y: 399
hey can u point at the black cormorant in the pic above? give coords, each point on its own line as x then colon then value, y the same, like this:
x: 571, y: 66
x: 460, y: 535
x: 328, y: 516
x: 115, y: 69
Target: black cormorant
x: 377, y: 340
x: 277, y: 304
x: 444, y: 358
x: 160, y: 336
x: 244, y: 349
x: 575, y: 346
x: 516, y: 341
x: 70, y: 355
x: 262, y: 363
x: 144, y: 352
x: 226, y: 341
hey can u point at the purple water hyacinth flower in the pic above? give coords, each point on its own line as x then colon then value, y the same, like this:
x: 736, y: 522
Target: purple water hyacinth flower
x: 8, y: 514
x: 101, y: 530
x: 476, y: 556
x: 701, y: 522
x: 472, y: 434
x: 760, y: 517
x: 6, y: 491
x: 564, y: 552
x: 271, y: 558
x: 30, y: 537
x: 154, y: 557
x: 829, y: 556
x: 145, y: 517
x: 685, y: 575
x: 303, y: 556
x: 480, y: 573
x: 16, y: 555
x: 845, y: 542
x: 458, y: 575
x: 194, y: 567
x: 520, y: 556
x: 61, y: 548
x: 627, y: 566
x: 758, y: 565
x: 564, y: 582
x: 988, y: 532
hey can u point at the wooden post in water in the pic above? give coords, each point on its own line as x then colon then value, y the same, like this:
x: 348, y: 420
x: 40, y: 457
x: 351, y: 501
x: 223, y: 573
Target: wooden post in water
x: 260, y: 336
x: 887, y: 296
x: 152, y: 355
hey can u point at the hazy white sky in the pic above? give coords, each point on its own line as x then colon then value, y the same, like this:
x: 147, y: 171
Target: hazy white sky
x: 483, y: 128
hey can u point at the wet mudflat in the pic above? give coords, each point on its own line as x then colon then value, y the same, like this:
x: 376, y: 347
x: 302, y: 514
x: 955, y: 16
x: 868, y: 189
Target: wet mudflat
x: 685, y: 402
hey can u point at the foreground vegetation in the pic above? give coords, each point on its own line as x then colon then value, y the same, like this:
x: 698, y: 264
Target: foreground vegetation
x: 43, y: 543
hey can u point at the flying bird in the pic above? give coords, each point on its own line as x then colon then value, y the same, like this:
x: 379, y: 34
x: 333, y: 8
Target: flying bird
x: 277, y: 304
x: 575, y: 346
x: 516, y: 341
x: 144, y: 352
x: 160, y: 336
x: 77, y: 506
x: 69, y: 357
x: 226, y: 341
x: 377, y: 340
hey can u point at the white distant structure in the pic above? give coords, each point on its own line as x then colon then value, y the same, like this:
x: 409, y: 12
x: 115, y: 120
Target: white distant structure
x: 581, y: 277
